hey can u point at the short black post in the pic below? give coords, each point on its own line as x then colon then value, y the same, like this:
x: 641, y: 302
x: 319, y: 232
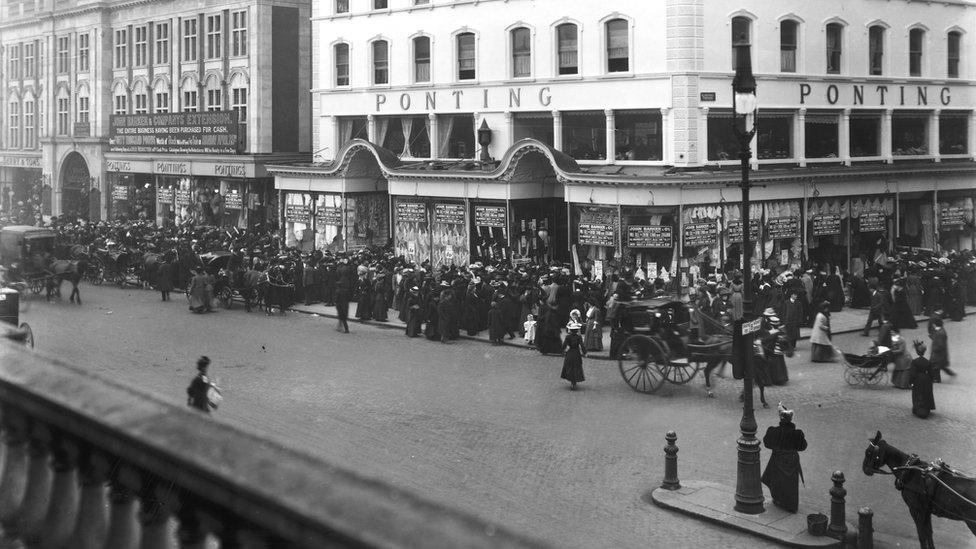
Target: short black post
x: 670, y: 481
x: 838, y: 523
x: 865, y: 530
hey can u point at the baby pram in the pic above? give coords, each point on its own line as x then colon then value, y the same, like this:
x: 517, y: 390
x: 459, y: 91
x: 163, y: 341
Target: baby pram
x: 868, y: 369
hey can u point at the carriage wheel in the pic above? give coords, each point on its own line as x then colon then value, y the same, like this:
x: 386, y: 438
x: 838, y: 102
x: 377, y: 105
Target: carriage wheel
x: 679, y: 372
x: 96, y: 275
x: 36, y: 285
x: 640, y: 363
x: 851, y: 376
x: 29, y: 337
x: 226, y: 297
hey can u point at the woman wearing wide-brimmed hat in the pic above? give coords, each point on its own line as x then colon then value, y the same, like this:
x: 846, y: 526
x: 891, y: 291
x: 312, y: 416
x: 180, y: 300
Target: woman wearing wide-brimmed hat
x: 575, y: 351
x: 821, y: 348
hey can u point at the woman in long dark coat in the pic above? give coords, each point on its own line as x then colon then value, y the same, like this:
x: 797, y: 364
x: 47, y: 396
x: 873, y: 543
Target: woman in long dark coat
x: 902, y: 316
x: 783, y: 471
x: 835, y: 291
x: 364, y: 307
x: 923, y: 400
x: 381, y: 298
x: 573, y: 360
x: 940, y: 349
x: 446, y: 316
x: 470, y: 317
x: 415, y: 313
x: 496, y: 323
x: 547, y: 333
x: 913, y: 291
x: 774, y: 343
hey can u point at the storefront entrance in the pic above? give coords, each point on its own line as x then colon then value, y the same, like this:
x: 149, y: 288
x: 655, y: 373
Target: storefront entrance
x: 75, y: 184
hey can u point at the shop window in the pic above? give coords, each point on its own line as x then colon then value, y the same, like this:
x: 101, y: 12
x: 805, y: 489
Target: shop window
x: 637, y: 135
x: 787, y: 45
x: 328, y: 225
x: 342, y: 64
x: 774, y: 137
x: 352, y: 127
x: 723, y: 143
x: 821, y: 136
x: 741, y: 34
x: 876, y: 35
x: 953, y: 132
x: 567, y: 36
x: 298, y: 221
x: 618, y: 46
x: 466, y: 56
x: 835, y: 35
x: 909, y: 135
x: 533, y: 125
x: 421, y: 59
x: 865, y: 135
x: 585, y: 135
x: 239, y: 105
x: 521, y: 53
x: 405, y: 136
x: 916, y: 38
x: 456, y: 136
x: 952, y: 55
x: 381, y: 62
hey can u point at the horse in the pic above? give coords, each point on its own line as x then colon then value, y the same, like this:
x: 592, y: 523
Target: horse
x: 67, y: 269
x: 927, y: 488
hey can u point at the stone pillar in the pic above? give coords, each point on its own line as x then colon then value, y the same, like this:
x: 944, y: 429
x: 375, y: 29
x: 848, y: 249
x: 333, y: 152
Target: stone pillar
x: 193, y: 531
x: 934, y: 135
x: 91, y: 528
x: 158, y: 506
x: 434, y: 135
x: 371, y: 129
x: 123, y: 528
x: 844, y: 139
x: 800, y: 137
x: 703, y: 134
x: 13, y: 478
x: 667, y: 150
x: 685, y: 53
x: 62, y: 513
x: 509, y: 133
x: 971, y: 140
x: 611, y: 141
x: 557, y: 130
x: 886, y: 136
x: 39, y: 479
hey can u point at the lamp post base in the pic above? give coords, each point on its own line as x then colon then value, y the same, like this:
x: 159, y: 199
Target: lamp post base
x: 748, y: 486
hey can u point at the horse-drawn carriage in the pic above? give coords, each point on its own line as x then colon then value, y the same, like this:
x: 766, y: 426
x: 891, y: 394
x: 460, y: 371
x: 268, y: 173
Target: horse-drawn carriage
x: 117, y: 266
x: 10, y: 325
x: 225, y: 267
x: 666, y: 341
x: 26, y: 253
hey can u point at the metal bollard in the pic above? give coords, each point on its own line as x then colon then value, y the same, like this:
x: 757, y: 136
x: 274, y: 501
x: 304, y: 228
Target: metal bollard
x: 838, y: 524
x: 865, y: 530
x: 670, y: 481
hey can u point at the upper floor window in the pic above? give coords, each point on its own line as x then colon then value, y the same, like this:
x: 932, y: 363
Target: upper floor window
x: 952, y: 55
x: 121, y: 49
x: 618, y: 46
x: 567, y: 37
x: 834, y: 41
x: 239, y: 33
x: 466, y: 56
x: 876, y: 50
x: 161, y: 104
x: 915, y: 39
x: 121, y: 102
x: 421, y: 59
x: 13, y: 62
x: 521, y: 52
x: 342, y: 64
x: 379, y: 4
x: 64, y: 114
x: 381, y: 62
x: 140, y: 47
x: 342, y: 6
x: 29, y: 60
x: 741, y: 35
x: 62, y: 55
x: 84, y: 109
x: 140, y: 99
x: 189, y: 40
x: 787, y: 45
x: 14, y: 114
x: 420, y: 2
x: 190, y: 101
x: 84, y: 49
x: 29, y: 137
x: 162, y: 43
x: 214, y: 36
x: 215, y: 99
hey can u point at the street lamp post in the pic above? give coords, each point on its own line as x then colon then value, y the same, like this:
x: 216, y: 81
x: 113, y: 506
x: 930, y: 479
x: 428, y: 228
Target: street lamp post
x: 748, y: 490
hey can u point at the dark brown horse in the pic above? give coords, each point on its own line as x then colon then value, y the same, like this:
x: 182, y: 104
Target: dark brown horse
x: 928, y: 489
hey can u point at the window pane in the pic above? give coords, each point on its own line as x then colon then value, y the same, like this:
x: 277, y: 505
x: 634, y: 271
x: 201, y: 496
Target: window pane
x: 457, y: 136
x: 822, y: 137
x: 533, y: 125
x: 466, y: 56
x: 342, y: 64
x: 521, y: 53
x: 342, y: 6
x: 953, y: 55
x: 787, y: 46
x: 909, y: 135
x: 381, y: 73
x: 568, y: 48
x: 638, y: 135
x: 876, y: 49
x: 723, y: 144
x: 421, y: 55
x: 741, y: 31
x: 915, y: 37
x: 585, y: 135
x: 953, y: 132
x: 865, y: 132
x: 774, y: 137
x: 618, y: 47
x: 833, y: 48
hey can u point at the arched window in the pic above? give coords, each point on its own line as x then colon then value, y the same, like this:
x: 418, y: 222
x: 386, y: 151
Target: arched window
x: 741, y: 34
x: 953, y: 41
x: 30, y: 141
x: 341, y: 64
x: 13, y: 112
x: 916, y: 39
x: 788, y: 38
x: 381, y: 62
x: 618, y: 46
x: 421, y: 59
x: 876, y: 36
x: 191, y: 100
x: 466, y: 56
x: 140, y: 98
x: 161, y: 97
x: 567, y: 48
x: 521, y: 53
x: 835, y: 35
x: 215, y: 96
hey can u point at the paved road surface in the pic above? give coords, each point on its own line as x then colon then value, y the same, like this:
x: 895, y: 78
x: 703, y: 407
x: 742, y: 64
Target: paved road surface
x: 494, y: 431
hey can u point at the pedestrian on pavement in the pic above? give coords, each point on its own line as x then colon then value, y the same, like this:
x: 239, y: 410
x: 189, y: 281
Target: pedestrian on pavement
x: 792, y: 319
x: 202, y: 393
x: 821, y: 347
x: 345, y: 277
x: 901, y: 376
x: 415, y: 315
x: 164, y: 278
x: 529, y: 330
x: 923, y: 399
x: 496, y: 323
x: 447, y: 315
x: 594, y: 329
x: 573, y: 360
x: 877, y: 310
x: 783, y: 471
x: 198, y: 291
x: 940, y: 349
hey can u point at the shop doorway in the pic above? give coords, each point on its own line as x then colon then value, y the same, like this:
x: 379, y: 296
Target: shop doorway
x: 75, y: 185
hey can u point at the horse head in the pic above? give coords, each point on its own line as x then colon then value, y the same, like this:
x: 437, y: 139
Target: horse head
x: 874, y: 455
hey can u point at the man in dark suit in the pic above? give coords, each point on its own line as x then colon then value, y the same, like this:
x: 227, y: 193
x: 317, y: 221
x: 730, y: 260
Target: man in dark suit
x: 877, y: 310
x: 345, y: 278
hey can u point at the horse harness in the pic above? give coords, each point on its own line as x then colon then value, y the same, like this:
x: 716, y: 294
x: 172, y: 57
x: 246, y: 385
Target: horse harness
x: 929, y: 477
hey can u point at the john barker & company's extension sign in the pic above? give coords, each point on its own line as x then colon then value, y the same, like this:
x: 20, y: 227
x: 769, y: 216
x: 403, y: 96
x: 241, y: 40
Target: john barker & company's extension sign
x: 215, y: 132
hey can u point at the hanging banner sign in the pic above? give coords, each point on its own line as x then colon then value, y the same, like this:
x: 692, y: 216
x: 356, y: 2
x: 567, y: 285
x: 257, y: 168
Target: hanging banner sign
x: 409, y: 212
x: 297, y: 213
x: 701, y: 234
x: 490, y: 216
x: 649, y: 236
x: 952, y: 218
x: 450, y: 214
x: 214, y: 132
x: 826, y: 224
x: 120, y: 193
x: 872, y: 222
x: 735, y: 230
x: 597, y: 234
x: 165, y: 196
x: 234, y: 201
x: 182, y: 197
x: 329, y: 215
x: 782, y: 227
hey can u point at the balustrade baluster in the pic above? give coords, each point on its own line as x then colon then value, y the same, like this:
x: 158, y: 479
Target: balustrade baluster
x: 238, y: 534
x: 91, y: 528
x: 13, y: 479
x: 39, y: 479
x: 159, y: 506
x: 62, y: 513
x: 194, y: 526
x: 123, y: 527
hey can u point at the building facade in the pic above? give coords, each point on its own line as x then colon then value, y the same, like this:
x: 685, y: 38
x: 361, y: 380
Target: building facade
x: 468, y: 129
x: 166, y: 109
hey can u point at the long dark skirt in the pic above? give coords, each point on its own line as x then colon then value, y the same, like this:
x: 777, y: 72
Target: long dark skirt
x: 777, y: 369
x: 821, y: 353
x: 573, y: 367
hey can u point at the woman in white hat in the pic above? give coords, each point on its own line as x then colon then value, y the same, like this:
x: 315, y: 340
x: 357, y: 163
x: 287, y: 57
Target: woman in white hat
x: 575, y: 351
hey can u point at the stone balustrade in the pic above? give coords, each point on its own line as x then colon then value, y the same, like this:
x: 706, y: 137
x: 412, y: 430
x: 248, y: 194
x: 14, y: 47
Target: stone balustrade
x: 86, y: 463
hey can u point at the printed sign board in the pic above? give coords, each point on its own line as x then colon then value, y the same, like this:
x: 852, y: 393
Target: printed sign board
x: 165, y: 196
x: 826, y: 224
x: 735, y: 230
x: 700, y: 234
x: 215, y: 132
x: 952, y: 218
x: 872, y: 222
x: 407, y: 212
x: 649, y: 236
x: 182, y: 197
x: 234, y: 201
x: 490, y: 216
x: 782, y: 227
x: 597, y: 234
x: 297, y: 213
x: 752, y: 326
x: 450, y: 214
x: 329, y: 215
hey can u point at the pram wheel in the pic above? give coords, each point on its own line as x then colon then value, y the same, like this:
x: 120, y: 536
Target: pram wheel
x: 852, y: 376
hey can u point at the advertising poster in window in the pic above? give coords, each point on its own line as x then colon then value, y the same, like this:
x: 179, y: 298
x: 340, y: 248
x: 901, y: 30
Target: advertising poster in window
x: 597, y: 228
x: 490, y: 238
x: 411, y: 231
x: 449, y: 239
x: 120, y: 192
x: 449, y: 214
x: 490, y: 216
x: 872, y: 222
x: 329, y: 215
x: 700, y: 234
x: 735, y: 230
x: 782, y: 227
x: 952, y: 218
x: 649, y: 236
x: 826, y: 224
x: 165, y: 196
x: 182, y: 197
x: 234, y: 201
x: 298, y: 213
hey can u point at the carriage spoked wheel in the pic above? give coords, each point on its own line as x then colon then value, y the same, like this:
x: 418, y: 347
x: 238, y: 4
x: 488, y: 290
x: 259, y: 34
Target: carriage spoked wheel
x: 36, y: 285
x: 96, y: 275
x: 641, y: 361
x: 681, y: 370
x: 226, y: 297
x: 875, y: 377
x: 28, y: 335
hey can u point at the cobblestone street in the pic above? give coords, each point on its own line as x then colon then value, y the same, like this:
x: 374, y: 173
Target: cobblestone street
x: 494, y: 431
